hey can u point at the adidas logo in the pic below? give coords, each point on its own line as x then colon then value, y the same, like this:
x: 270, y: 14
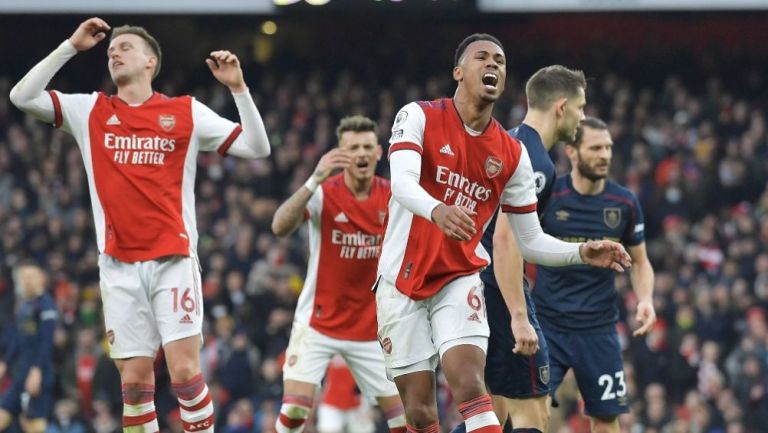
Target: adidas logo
x: 446, y: 150
x: 341, y: 218
x: 113, y: 120
x: 186, y: 319
x: 474, y: 318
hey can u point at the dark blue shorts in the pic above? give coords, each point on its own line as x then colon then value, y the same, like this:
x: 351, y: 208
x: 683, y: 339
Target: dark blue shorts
x: 508, y: 374
x: 598, y: 367
x: 16, y: 401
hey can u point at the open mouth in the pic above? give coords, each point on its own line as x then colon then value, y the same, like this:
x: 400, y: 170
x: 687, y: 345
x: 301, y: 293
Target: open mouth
x: 362, y: 164
x: 490, y: 80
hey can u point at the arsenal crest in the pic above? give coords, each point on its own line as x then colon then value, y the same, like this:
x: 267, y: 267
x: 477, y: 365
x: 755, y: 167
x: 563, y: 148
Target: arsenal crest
x: 544, y: 374
x: 386, y: 344
x: 167, y: 121
x: 493, y: 166
x: 612, y: 217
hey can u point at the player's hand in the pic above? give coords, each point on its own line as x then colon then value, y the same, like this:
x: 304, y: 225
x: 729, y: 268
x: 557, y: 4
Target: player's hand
x: 455, y: 221
x: 646, y: 316
x: 225, y: 67
x: 331, y: 161
x: 34, y: 380
x: 526, y: 340
x: 605, y: 254
x: 89, y: 33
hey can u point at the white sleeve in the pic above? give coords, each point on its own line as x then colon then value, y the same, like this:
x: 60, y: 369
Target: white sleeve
x: 519, y: 195
x: 253, y: 142
x: 405, y: 172
x: 29, y: 94
x: 224, y: 136
x: 408, y: 130
x: 539, y: 247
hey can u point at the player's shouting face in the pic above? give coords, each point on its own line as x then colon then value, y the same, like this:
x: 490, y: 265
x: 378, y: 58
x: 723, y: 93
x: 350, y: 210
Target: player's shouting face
x: 129, y: 58
x: 482, y: 70
x: 364, y: 150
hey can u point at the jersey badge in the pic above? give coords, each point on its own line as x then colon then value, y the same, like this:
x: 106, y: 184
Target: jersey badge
x: 446, y: 150
x: 562, y: 215
x: 540, y: 180
x: 113, y: 120
x: 493, y: 166
x: 544, y: 374
x: 612, y: 217
x: 167, y: 121
x: 341, y: 218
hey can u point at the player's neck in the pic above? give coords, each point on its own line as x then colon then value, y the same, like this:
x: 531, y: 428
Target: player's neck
x: 544, y: 125
x: 585, y: 186
x: 474, y: 115
x: 360, y: 188
x: 134, y: 93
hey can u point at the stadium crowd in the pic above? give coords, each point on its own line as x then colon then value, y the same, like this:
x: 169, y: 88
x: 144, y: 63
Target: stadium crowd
x: 696, y: 156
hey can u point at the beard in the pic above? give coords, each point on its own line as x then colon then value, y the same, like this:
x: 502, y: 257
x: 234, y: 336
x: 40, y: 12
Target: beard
x: 588, y: 172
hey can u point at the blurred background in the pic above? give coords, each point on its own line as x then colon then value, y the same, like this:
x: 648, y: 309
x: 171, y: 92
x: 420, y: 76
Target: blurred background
x: 682, y: 85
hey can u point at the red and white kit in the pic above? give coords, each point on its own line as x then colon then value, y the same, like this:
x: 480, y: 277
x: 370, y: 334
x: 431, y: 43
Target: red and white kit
x: 429, y: 282
x: 141, y: 164
x: 336, y: 312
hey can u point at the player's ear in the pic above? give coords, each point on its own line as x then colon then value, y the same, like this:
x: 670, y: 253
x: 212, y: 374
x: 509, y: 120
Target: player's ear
x: 560, y: 106
x: 571, y: 151
x: 458, y: 73
x: 152, y: 63
x: 379, y: 152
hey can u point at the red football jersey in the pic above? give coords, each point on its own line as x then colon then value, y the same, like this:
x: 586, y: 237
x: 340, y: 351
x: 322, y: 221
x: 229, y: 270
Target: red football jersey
x: 141, y: 164
x: 345, y: 236
x: 478, y: 170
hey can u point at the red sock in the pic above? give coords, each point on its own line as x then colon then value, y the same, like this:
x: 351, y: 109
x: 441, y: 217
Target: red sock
x: 478, y: 415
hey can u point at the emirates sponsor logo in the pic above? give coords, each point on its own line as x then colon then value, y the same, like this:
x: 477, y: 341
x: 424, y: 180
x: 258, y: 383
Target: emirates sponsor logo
x: 461, y: 191
x: 138, y: 150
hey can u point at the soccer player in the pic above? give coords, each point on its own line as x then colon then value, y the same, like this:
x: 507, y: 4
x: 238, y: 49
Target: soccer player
x: 517, y: 374
x: 140, y: 149
x: 336, y: 313
x: 28, y: 358
x: 341, y: 407
x: 577, y: 305
x: 452, y: 165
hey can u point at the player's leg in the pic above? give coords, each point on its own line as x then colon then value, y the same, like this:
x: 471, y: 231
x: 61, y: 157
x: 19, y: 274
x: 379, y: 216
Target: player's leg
x: 410, y: 357
x: 33, y: 425
x: 35, y: 415
x: 599, y: 372
x: 518, y: 384
x: 133, y: 339
x: 5, y: 419
x: 330, y: 419
x: 604, y: 424
x: 359, y: 419
x: 177, y: 306
x: 460, y: 327
x: 307, y: 358
x: 366, y: 362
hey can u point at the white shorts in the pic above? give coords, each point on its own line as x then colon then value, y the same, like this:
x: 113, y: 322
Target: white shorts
x: 413, y: 333
x: 331, y: 419
x: 149, y: 303
x: 309, y: 352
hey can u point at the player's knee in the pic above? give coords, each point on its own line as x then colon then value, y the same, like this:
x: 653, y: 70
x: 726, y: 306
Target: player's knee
x: 183, y: 371
x: 530, y: 415
x: 605, y: 424
x: 468, y: 385
x: 136, y: 370
x: 421, y: 415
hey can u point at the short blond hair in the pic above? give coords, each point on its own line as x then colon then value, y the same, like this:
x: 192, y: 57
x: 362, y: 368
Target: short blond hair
x: 356, y: 123
x: 551, y: 83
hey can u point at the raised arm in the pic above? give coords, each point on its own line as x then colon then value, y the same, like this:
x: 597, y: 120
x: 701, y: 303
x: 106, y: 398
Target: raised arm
x: 253, y: 142
x: 29, y: 94
x: 290, y: 214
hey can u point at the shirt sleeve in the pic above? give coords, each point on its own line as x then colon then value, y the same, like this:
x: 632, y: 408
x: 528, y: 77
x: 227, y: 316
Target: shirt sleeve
x: 519, y: 195
x: 72, y: 111
x: 408, y: 129
x: 212, y: 131
x: 635, y: 233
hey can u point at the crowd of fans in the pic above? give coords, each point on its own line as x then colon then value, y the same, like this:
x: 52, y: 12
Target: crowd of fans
x: 695, y: 154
